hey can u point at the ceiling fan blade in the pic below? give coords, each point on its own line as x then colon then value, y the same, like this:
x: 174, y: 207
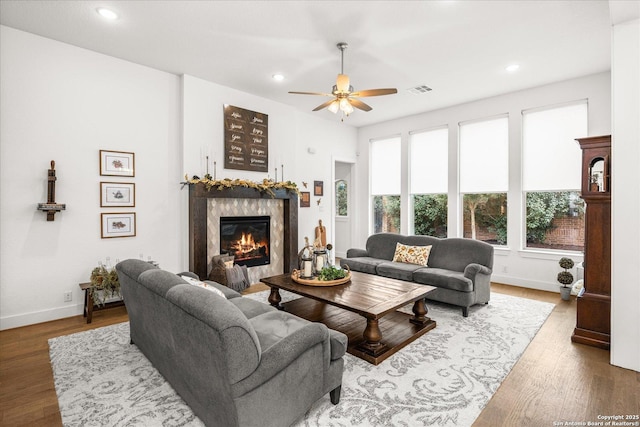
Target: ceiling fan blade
x: 359, y: 104
x: 323, y: 105
x: 374, y: 92
x: 311, y: 93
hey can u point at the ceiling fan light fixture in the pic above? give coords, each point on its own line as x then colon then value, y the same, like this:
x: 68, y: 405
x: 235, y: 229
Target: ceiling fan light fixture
x: 334, y: 106
x: 347, y: 108
x: 342, y: 83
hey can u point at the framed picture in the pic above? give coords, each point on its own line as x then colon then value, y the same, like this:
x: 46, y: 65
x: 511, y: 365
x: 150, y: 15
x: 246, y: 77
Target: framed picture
x: 117, y: 194
x: 122, y: 224
x: 318, y: 188
x: 117, y: 163
x: 305, y: 199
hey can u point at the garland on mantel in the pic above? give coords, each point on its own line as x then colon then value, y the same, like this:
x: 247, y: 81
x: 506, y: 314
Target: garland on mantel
x: 267, y: 185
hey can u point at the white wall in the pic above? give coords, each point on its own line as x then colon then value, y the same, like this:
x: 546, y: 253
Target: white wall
x: 62, y: 103
x: 291, y: 133
x: 511, y: 265
x: 625, y: 286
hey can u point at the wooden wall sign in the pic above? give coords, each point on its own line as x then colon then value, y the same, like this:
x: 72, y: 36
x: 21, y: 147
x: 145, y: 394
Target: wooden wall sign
x: 246, y: 139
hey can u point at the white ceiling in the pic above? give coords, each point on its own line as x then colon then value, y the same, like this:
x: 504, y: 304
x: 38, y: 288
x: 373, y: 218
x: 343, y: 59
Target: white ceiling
x: 458, y: 48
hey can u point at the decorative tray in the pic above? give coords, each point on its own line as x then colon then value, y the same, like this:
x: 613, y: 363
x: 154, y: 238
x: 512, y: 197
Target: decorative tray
x: 295, y: 276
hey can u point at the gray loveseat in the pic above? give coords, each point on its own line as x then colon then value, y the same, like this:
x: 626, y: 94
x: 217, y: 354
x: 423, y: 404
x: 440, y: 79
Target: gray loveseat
x: 459, y: 268
x: 233, y: 360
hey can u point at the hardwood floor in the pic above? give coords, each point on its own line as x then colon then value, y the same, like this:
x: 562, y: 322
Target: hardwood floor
x: 554, y: 380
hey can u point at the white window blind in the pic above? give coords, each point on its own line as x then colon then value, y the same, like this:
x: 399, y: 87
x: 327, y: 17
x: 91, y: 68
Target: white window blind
x: 429, y: 161
x: 385, y: 166
x: 484, y: 156
x: 551, y: 158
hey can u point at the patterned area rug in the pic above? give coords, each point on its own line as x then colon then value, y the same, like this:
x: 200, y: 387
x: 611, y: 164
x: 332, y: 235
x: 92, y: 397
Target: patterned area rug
x: 445, y: 378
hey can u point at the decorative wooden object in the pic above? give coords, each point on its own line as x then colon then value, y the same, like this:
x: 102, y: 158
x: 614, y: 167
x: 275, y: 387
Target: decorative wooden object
x: 594, y: 304
x: 51, y: 207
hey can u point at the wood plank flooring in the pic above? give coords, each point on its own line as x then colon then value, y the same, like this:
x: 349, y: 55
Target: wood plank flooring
x: 554, y: 380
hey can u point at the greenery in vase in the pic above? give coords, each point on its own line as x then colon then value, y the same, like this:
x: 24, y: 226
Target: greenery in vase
x: 105, y: 285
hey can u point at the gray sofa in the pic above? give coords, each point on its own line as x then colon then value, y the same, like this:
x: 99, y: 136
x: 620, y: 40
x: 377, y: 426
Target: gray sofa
x: 233, y: 360
x: 459, y: 268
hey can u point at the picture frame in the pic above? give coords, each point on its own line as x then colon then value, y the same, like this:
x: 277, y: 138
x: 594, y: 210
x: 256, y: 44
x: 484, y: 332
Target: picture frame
x: 117, y: 224
x: 305, y: 199
x: 318, y: 188
x: 117, y: 163
x: 117, y: 194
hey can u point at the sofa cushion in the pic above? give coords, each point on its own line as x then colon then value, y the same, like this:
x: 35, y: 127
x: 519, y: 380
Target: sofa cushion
x: 274, y: 326
x: 442, y: 278
x: 383, y: 245
x: 397, y: 270
x: 412, y: 254
x: 159, y: 281
x: 456, y: 253
x: 251, y: 308
x: 362, y: 264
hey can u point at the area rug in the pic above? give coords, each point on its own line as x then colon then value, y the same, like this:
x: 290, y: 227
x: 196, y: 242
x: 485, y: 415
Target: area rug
x: 445, y: 378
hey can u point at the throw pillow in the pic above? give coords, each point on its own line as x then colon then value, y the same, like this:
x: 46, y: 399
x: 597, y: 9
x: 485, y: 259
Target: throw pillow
x: 223, y: 260
x: 198, y: 283
x: 412, y: 254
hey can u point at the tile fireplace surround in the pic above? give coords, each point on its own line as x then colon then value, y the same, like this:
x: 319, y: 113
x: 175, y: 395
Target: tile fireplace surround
x: 207, y: 206
x: 273, y: 208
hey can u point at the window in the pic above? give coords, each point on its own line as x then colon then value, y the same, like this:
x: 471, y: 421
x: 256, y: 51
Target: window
x: 551, y: 172
x: 385, y: 184
x: 342, y: 198
x: 484, y: 179
x: 429, y: 184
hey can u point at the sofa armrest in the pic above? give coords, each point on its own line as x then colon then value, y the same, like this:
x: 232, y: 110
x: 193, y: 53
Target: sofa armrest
x: 473, y: 269
x: 356, y: 253
x: 281, y: 354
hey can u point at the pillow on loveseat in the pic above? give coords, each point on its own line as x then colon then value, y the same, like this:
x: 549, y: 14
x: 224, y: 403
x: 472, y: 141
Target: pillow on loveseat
x: 190, y: 280
x: 412, y: 254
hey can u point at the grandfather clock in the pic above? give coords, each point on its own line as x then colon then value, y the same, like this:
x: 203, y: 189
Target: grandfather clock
x: 593, y: 326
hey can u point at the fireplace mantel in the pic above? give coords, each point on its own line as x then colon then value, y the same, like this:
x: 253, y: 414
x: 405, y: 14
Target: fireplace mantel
x: 198, y: 195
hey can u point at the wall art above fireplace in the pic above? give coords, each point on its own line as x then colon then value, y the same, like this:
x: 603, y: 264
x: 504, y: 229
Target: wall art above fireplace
x: 247, y: 238
x: 246, y: 139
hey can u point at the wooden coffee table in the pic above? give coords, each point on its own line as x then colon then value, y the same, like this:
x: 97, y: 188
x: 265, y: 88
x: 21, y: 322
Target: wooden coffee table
x: 365, y: 309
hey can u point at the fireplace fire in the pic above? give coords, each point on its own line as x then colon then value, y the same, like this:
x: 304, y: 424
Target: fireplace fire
x: 246, y: 238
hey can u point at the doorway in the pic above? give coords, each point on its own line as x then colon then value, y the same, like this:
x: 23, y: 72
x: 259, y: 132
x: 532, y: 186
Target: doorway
x: 343, y: 207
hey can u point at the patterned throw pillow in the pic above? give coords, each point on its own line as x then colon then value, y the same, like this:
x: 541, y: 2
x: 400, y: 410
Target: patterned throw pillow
x: 198, y: 283
x: 412, y: 254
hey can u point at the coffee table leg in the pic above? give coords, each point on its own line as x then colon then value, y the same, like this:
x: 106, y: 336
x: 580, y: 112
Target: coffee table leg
x: 419, y: 313
x: 372, y: 337
x: 274, y: 298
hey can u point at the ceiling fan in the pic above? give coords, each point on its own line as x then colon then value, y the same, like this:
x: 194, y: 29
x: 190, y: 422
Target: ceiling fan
x: 344, y: 98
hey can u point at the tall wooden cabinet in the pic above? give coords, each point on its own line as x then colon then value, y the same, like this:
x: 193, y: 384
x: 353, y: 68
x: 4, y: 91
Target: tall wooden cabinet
x: 593, y: 326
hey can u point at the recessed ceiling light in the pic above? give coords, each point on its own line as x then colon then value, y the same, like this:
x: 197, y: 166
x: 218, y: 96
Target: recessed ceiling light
x: 107, y: 13
x: 511, y: 68
x: 278, y: 77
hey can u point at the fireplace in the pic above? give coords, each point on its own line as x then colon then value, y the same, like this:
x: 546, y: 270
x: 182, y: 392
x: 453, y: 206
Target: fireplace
x: 247, y: 238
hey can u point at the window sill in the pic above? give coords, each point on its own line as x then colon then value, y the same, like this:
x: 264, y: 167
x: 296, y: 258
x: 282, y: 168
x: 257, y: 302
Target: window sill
x: 549, y: 254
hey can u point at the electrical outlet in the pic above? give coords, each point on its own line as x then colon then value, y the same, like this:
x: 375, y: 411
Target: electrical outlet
x: 68, y: 296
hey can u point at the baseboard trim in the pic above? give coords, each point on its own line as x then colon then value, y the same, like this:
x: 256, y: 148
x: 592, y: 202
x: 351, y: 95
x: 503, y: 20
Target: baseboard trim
x: 524, y: 283
x: 25, y: 319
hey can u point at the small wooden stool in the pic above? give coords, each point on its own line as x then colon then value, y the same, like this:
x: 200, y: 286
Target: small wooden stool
x: 89, y: 307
